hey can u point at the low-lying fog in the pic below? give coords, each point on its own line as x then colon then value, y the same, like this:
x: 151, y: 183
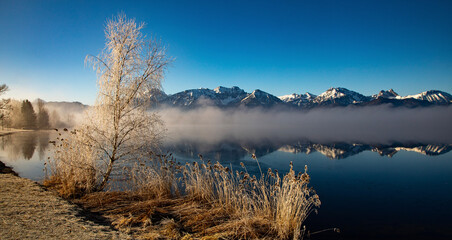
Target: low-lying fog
x: 373, y: 125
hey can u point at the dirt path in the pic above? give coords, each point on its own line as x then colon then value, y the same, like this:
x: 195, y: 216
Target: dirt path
x: 27, y: 211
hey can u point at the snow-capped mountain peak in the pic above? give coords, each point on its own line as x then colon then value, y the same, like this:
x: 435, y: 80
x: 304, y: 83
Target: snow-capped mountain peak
x: 435, y: 96
x: 235, y: 96
x: 298, y: 99
x: 340, y: 96
x: 386, y: 94
x: 260, y: 98
x: 225, y: 90
x: 308, y: 95
x: 334, y: 93
x: 290, y: 97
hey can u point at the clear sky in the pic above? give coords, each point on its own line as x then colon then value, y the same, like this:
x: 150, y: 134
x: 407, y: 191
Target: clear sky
x: 280, y: 47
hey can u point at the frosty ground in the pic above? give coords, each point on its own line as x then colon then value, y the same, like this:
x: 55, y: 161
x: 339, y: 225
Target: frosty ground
x: 27, y: 211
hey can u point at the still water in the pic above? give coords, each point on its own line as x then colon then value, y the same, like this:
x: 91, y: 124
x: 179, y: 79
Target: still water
x: 376, y: 191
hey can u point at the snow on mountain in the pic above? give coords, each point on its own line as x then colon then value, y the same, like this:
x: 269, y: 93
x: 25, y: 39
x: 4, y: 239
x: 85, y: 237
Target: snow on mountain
x: 434, y: 96
x: 235, y: 96
x: 386, y: 94
x: 298, y: 99
x: 290, y: 97
x: 189, y: 97
x: 340, y: 96
x: 260, y: 98
x: 220, y: 96
x: 230, y: 95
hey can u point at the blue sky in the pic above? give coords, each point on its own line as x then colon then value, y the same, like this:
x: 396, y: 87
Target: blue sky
x: 280, y: 47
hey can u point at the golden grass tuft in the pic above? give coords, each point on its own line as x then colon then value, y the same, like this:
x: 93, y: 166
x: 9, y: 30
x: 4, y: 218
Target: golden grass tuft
x: 280, y: 204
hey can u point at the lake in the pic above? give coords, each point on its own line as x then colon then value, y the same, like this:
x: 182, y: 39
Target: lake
x: 394, y: 190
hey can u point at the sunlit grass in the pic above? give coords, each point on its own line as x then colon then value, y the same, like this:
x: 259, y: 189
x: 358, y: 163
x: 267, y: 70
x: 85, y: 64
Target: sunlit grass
x: 73, y: 169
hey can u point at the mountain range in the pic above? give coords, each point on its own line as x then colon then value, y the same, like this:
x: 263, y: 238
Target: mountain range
x: 236, y: 97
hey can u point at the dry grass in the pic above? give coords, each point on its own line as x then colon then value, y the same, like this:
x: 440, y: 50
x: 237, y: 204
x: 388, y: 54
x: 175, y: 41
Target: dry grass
x: 73, y: 170
x: 277, y: 204
x: 213, y: 203
x: 155, y: 177
x: 197, y: 200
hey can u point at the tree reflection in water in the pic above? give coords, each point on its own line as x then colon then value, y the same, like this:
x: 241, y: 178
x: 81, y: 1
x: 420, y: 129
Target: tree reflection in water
x: 29, y: 146
x: 23, y: 145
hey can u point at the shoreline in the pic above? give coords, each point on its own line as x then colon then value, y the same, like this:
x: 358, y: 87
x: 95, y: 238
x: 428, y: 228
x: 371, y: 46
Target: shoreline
x: 7, y: 170
x: 13, y: 130
x: 29, y: 211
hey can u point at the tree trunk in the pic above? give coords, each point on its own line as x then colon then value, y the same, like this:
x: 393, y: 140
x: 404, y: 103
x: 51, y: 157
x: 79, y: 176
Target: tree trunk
x: 106, y: 177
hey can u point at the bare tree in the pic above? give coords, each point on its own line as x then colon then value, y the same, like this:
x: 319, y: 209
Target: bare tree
x: 3, y: 102
x: 120, y: 126
x: 14, y: 114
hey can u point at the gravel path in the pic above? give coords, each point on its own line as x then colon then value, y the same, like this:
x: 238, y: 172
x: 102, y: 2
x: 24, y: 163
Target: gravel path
x: 27, y: 211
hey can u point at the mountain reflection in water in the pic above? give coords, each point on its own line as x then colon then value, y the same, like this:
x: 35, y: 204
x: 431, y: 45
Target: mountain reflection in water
x: 23, y: 145
x: 230, y: 151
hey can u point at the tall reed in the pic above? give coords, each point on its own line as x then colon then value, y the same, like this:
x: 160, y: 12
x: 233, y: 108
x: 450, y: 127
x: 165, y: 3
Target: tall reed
x: 283, y: 202
x: 155, y: 177
x: 73, y: 169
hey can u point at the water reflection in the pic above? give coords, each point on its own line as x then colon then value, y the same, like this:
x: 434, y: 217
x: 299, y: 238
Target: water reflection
x: 230, y: 151
x: 29, y: 146
x: 43, y: 146
x: 23, y: 145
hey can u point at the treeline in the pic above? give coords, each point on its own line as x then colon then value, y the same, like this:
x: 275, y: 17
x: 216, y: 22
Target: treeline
x: 24, y: 115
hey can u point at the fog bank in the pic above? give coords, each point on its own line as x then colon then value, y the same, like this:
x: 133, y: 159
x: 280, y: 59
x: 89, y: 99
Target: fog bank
x: 373, y: 124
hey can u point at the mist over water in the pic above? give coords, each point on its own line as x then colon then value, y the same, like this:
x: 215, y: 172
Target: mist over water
x: 65, y: 114
x: 371, y: 125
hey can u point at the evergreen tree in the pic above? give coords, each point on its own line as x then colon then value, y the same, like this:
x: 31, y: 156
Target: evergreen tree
x: 43, y: 116
x: 28, y: 115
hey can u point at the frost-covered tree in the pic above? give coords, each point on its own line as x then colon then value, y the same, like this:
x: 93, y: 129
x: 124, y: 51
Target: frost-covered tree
x: 120, y: 125
x: 3, y: 102
x: 4, y: 110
